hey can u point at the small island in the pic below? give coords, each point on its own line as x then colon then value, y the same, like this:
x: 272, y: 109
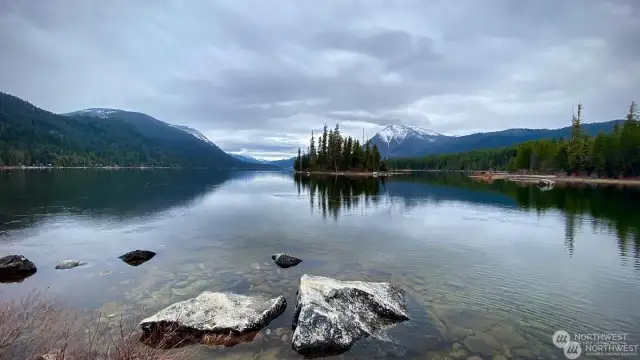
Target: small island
x: 334, y: 154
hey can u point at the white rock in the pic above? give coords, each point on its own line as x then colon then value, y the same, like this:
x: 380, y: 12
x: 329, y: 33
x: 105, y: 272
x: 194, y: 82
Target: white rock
x: 331, y: 315
x: 219, y: 313
x: 69, y: 264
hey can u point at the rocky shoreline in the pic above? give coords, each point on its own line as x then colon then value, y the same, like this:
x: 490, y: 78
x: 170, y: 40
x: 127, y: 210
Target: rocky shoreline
x: 378, y: 330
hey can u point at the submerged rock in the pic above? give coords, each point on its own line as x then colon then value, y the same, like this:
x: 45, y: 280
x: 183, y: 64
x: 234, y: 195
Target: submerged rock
x: 213, y: 318
x: 137, y: 257
x: 285, y: 260
x: 15, y: 268
x: 69, y: 264
x: 482, y: 343
x: 545, y: 184
x: 331, y: 315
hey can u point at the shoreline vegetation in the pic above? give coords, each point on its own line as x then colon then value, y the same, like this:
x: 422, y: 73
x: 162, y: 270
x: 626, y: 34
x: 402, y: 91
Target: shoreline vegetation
x: 34, y: 327
x: 354, y: 173
x: 334, y: 153
x: 611, y: 155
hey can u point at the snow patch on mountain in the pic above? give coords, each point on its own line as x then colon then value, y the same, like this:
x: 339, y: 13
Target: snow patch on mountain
x: 102, y: 113
x: 399, y: 133
x: 248, y: 158
x: 193, y: 132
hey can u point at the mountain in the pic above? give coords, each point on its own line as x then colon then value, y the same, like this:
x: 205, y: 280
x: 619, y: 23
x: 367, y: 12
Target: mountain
x: 397, y: 140
x: 409, y: 141
x: 284, y: 163
x: 30, y: 135
x: 195, y: 133
x: 248, y: 158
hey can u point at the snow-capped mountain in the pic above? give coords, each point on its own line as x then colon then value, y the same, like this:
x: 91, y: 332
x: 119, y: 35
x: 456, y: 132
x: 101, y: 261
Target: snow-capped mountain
x: 102, y: 113
x: 400, y: 133
x: 180, y: 144
x: 193, y: 132
x: 248, y: 158
x: 399, y: 140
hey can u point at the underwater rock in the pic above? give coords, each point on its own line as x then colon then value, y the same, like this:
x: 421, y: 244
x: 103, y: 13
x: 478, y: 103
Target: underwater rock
x: 137, y: 257
x: 285, y: 260
x: 69, y: 264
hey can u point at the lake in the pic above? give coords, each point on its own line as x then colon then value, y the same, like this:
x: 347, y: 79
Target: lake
x: 487, y: 268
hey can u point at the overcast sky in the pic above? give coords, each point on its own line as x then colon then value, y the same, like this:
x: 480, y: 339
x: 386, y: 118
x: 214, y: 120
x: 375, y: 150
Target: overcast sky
x: 258, y: 76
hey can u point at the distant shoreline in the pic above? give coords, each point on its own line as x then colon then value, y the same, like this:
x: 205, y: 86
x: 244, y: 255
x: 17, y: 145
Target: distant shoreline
x: 557, y: 179
x: 352, y: 173
x: 7, y: 168
x: 84, y: 167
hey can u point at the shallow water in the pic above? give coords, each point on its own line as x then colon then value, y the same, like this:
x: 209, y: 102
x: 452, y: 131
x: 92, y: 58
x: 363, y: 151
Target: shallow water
x: 488, y: 269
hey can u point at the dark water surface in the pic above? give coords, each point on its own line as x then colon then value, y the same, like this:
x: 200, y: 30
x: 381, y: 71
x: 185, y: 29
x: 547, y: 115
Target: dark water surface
x: 488, y: 269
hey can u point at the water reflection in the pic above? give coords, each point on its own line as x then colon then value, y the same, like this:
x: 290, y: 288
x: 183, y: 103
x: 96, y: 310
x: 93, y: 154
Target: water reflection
x: 606, y: 208
x: 28, y: 197
x: 504, y: 262
x: 333, y: 194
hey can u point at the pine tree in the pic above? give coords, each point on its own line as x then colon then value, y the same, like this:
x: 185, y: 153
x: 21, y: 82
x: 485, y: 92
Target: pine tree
x: 356, y: 155
x: 598, y: 151
x: 313, y: 157
x: 632, y: 115
x: 375, y: 157
x: 630, y: 141
x: 577, y: 148
x: 337, y: 147
x: 347, y: 153
x: 325, y: 155
x: 367, y: 157
x: 298, y: 162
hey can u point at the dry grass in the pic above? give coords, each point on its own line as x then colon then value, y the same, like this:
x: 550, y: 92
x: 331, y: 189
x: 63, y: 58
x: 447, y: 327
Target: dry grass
x: 36, y: 329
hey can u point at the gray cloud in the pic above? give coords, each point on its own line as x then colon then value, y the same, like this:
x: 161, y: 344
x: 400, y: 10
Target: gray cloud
x: 259, y: 76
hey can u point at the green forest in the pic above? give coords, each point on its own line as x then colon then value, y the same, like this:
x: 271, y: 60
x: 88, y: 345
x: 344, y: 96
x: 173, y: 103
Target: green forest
x: 334, y: 152
x: 614, y: 154
x: 33, y: 136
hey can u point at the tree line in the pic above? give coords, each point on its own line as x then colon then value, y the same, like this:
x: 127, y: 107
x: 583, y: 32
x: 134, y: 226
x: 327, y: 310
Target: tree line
x: 614, y: 154
x: 334, y: 152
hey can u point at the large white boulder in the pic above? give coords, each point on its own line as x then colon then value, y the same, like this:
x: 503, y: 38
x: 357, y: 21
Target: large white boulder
x: 212, y: 313
x: 331, y: 315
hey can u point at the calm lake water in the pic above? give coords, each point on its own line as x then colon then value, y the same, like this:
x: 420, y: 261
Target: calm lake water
x: 487, y: 268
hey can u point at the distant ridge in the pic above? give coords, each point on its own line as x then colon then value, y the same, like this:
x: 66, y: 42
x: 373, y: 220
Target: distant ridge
x: 102, y: 136
x: 410, y: 141
x: 248, y: 158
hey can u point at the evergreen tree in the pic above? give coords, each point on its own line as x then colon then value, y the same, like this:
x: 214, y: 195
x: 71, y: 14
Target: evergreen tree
x: 375, y: 158
x: 356, y: 157
x: 336, y: 147
x: 346, y: 153
x: 313, y: 156
x: 598, y: 151
x: 576, y: 146
x: 325, y: 155
x: 630, y: 141
x: 298, y: 162
x: 367, y: 157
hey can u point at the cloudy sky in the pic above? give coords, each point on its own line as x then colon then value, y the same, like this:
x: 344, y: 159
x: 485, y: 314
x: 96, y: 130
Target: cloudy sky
x: 258, y: 76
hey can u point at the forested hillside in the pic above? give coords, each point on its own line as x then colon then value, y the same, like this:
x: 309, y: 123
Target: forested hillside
x: 613, y: 154
x: 33, y: 136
